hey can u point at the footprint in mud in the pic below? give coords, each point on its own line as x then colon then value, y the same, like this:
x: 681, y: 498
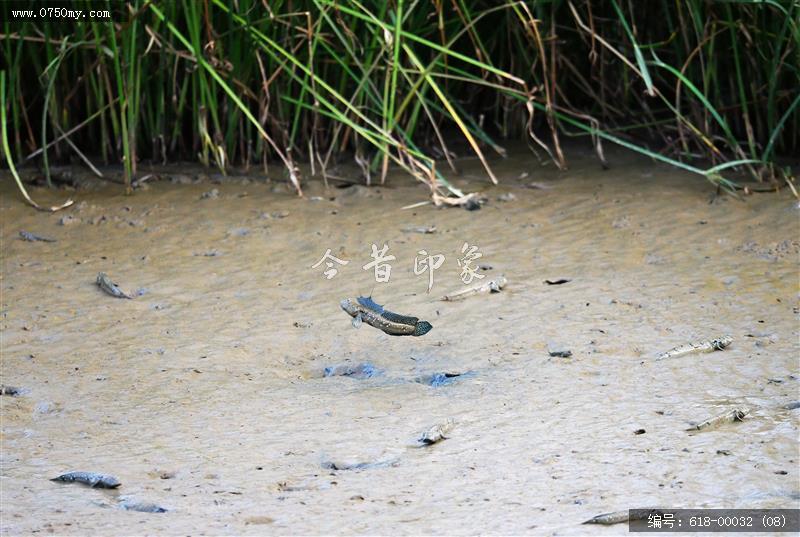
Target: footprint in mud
x: 442, y: 379
x: 46, y: 408
x: 621, y: 223
x: 258, y: 520
x: 238, y: 232
x: 367, y: 370
x: 360, y: 371
x: 131, y: 504
x: 353, y: 194
x: 360, y: 462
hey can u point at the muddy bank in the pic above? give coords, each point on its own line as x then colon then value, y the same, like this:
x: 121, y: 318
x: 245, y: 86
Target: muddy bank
x: 206, y: 392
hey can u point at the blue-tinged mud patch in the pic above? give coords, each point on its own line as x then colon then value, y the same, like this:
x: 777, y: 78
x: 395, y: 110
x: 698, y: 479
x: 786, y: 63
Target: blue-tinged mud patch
x: 443, y: 379
x: 360, y: 371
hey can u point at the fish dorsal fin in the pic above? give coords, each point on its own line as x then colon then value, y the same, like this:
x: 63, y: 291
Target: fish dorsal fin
x: 397, y: 318
x: 367, y: 302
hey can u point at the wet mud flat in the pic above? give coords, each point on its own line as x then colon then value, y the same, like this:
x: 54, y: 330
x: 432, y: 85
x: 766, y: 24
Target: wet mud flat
x: 206, y: 394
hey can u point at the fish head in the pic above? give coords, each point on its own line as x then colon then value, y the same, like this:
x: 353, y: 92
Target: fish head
x: 422, y: 328
x: 347, y: 305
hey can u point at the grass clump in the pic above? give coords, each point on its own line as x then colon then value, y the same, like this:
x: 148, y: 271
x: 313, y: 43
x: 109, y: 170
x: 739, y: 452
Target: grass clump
x: 705, y: 86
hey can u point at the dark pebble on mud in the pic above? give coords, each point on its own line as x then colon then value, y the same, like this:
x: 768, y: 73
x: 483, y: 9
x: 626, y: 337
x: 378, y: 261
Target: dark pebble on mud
x: 472, y: 205
x: 360, y: 371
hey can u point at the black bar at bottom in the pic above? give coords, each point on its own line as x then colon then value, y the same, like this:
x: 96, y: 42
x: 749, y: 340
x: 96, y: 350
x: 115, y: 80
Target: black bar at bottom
x: 712, y: 520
